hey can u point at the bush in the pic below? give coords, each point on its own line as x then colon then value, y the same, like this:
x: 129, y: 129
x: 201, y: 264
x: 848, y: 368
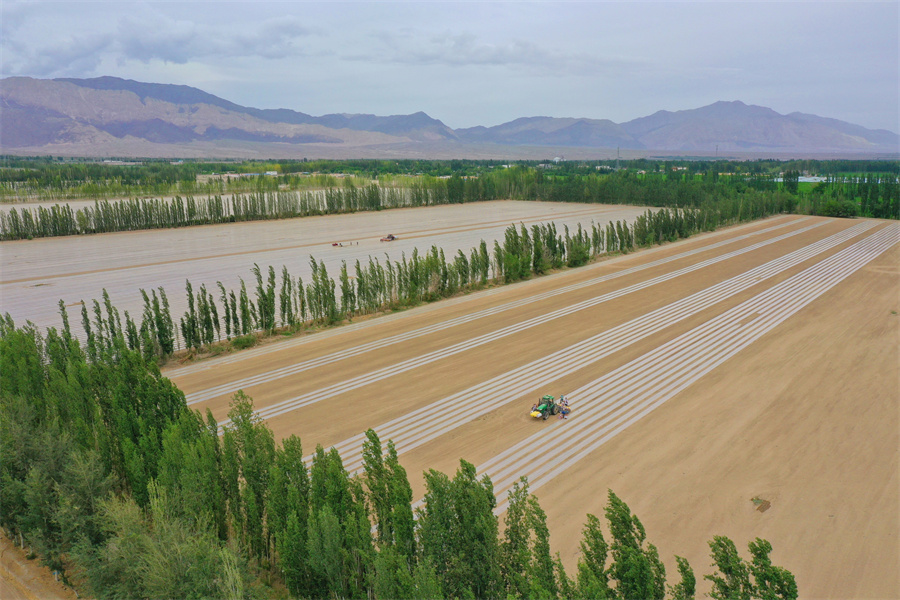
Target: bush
x: 840, y: 208
x: 243, y: 342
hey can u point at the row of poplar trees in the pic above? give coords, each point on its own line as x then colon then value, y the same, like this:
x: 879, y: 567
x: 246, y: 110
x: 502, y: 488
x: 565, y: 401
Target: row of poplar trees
x: 272, y: 301
x: 115, y: 483
x: 720, y: 201
x: 154, y: 213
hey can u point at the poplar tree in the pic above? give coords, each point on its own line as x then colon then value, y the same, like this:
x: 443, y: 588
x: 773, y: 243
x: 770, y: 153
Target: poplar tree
x: 770, y: 582
x: 247, y: 316
x: 515, y: 550
x: 302, y: 304
x: 131, y: 333
x: 226, y: 315
x: 190, y: 329
x: 248, y: 451
x: 686, y: 587
x: 458, y: 532
x: 378, y: 484
x: 759, y: 579
x: 636, y: 569
x: 164, y: 326
x: 287, y: 511
x: 348, y: 298
x: 286, y: 299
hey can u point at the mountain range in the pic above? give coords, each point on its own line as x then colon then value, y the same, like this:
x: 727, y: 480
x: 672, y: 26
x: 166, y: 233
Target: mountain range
x: 109, y: 116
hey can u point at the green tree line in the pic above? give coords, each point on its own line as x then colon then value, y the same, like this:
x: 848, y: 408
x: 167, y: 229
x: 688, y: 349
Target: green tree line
x: 276, y: 300
x: 140, y: 214
x: 48, y: 172
x: 867, y: 195
x: 114, y: 482
x: 871, y: 195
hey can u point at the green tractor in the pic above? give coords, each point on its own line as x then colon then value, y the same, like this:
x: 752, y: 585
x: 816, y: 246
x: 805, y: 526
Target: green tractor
x: 545, y: 407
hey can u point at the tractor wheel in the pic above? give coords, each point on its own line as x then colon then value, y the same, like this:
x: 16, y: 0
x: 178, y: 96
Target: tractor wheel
x: 554, y: 409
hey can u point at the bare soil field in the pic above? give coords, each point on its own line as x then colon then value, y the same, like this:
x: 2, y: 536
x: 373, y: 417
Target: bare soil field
x: 743, y: 383
x: 36, y: 274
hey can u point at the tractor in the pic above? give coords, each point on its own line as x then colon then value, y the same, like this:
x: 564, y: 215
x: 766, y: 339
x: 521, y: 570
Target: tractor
x: 545, y: 407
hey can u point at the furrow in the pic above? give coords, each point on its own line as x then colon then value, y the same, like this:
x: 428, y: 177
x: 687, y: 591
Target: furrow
x: 479, y: 314
x: 289, y: 370
x: 427, y: 423
x: 610, y: 404
x: 354, y: 383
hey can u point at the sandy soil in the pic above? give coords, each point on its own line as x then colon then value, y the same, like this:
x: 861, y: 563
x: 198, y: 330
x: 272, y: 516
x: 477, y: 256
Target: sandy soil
x: 23, y: 579
x: 804, y: 418
x: 36, y: 274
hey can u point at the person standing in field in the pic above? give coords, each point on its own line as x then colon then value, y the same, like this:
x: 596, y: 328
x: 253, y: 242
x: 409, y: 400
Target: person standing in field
x: 563, y: 407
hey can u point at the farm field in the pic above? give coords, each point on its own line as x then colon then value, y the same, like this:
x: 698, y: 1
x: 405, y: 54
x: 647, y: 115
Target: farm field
x: 742, y: 383
x: 37, y: 273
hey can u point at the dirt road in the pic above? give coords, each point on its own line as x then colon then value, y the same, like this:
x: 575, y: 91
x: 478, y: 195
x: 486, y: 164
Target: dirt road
x: 23, y: 579
x: 741, y: 383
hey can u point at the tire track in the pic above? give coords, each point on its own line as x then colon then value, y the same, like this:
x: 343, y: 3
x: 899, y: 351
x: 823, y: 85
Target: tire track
x: 291, y: 404
x: 296, y: 368
x: 429, y: 422
x: 610, y: 404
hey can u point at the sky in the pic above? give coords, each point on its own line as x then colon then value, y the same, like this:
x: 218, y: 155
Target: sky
x: 480, y: 63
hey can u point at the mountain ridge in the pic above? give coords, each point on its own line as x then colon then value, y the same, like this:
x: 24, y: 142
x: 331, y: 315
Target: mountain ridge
x: 76, y: 115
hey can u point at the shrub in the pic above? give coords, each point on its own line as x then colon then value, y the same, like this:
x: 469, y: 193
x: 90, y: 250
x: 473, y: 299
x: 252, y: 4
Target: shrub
x: 243, y: 342
x: 840, y: 208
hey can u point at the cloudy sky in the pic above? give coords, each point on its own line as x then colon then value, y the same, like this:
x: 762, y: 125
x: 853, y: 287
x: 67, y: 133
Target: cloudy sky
x: 470, y: 63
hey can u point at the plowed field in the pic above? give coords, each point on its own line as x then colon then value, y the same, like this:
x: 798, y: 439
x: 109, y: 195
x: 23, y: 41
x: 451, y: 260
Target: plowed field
x: 36, y: 274
x: 760, y: 362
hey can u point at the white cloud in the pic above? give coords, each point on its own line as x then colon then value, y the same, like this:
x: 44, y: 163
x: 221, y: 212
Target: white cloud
x: 467, y: 50
x: 73, y: 56
x: 180, y: 41
x: 142, y: 35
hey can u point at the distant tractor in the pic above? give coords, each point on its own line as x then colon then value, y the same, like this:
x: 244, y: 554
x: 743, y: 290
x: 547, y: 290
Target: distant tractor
x: 545, y: 407
x: 389, y: 238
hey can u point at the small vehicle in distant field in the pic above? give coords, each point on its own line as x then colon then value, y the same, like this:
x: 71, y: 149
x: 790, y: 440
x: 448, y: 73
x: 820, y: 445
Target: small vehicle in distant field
x: 389, y: 238
x: 545, y: 407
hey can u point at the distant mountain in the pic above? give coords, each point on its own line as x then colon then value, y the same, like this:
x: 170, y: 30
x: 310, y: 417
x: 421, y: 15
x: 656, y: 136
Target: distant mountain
x: 735, y: 126
x: 550, y: 131
x: 416, y: 126
x: 108, y: 115
x: 167, y: 92
x: 38, y: 112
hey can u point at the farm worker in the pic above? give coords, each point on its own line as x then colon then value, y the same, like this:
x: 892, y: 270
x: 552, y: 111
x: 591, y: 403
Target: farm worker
x: 564, y: 407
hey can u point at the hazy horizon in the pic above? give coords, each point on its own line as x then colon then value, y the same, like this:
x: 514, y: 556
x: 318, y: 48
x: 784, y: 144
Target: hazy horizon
x: 480, y: 64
